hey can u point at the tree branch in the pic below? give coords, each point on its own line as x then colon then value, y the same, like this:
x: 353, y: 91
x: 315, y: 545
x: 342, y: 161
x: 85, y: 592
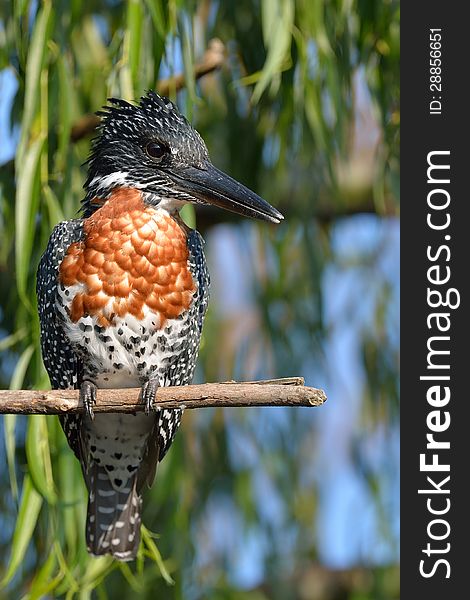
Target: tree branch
x: 212, y: 60
x: 274, y: 392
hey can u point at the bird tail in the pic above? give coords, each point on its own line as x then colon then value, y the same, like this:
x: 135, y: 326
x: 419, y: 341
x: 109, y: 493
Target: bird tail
x: 113, y: 516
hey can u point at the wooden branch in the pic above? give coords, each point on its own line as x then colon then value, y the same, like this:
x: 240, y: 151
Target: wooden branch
x: 273, y: 392
x: 212, y: 60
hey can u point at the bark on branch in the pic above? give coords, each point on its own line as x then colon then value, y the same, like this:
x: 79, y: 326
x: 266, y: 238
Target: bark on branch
x: 212, y: 60
x: 275, y: 392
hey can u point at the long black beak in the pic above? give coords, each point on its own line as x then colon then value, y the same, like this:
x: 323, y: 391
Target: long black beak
x: 211, y: 186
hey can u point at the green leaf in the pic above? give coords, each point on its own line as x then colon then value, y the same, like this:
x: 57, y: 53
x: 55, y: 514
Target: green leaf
x: 9, y: 421
x: 134, y: 32
x: 56, y: 213
x: 68, y: 583
x: 69, y: 495
x: 16, y: 381
x: 38, y: 455
x: 9, y: 426
x: 157, y: 12
x: 12, y: 339
x: 33, y: 74
x: 279, y: 18
x: 30, y: 506
x: 188, y: 63
x: 65, y: 108
x: 131, y: 579
x: 96, y: 570
x: 27, y: 200
x: 154, y: 553
x: 44, y: 581
x: 20, y: 7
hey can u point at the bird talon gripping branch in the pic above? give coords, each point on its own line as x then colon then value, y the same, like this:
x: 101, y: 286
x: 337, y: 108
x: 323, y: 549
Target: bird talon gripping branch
x: 88, y: 397
x: 122, y: 294
x: 149, y: 395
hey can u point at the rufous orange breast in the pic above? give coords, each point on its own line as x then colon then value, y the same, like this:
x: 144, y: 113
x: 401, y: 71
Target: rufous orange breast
x: 132, y: 257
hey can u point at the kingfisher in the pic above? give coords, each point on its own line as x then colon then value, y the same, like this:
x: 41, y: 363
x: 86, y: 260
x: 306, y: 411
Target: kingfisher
x: 122, y: 294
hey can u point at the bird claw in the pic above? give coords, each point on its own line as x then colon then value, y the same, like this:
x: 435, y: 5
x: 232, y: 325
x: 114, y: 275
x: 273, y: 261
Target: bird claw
x: 148, y: 395
x: 88, y: 397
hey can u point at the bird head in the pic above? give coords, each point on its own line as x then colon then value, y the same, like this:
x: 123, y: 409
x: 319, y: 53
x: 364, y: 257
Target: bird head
x: 152, y: 147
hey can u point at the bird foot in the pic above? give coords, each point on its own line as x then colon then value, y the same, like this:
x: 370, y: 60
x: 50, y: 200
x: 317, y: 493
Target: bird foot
x: 148, y: 395
x: 88, y: 397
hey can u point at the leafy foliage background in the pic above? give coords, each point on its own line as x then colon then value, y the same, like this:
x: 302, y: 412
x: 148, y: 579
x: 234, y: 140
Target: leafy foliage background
x: 305, y: 111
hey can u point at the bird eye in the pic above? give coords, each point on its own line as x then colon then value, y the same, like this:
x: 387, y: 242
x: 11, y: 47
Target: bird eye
x: 155, y: 150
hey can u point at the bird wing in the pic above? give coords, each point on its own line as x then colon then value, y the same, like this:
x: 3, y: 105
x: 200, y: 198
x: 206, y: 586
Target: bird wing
x: 199, y: 271
x: 62, y: 363
x: 168, y: 421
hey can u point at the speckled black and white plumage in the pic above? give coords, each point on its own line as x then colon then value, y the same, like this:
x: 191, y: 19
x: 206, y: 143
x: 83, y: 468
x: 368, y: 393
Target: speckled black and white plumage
x: 112, y: 447
x: 147, y: 155
x: 170, y: 353
x: 62, y: 364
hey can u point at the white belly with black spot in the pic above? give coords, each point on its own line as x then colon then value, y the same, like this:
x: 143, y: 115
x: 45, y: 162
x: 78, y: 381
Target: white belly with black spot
x: 129, y: 352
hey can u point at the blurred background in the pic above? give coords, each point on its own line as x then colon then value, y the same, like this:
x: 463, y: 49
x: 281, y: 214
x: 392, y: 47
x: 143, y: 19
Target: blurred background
x: 299, y: 100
